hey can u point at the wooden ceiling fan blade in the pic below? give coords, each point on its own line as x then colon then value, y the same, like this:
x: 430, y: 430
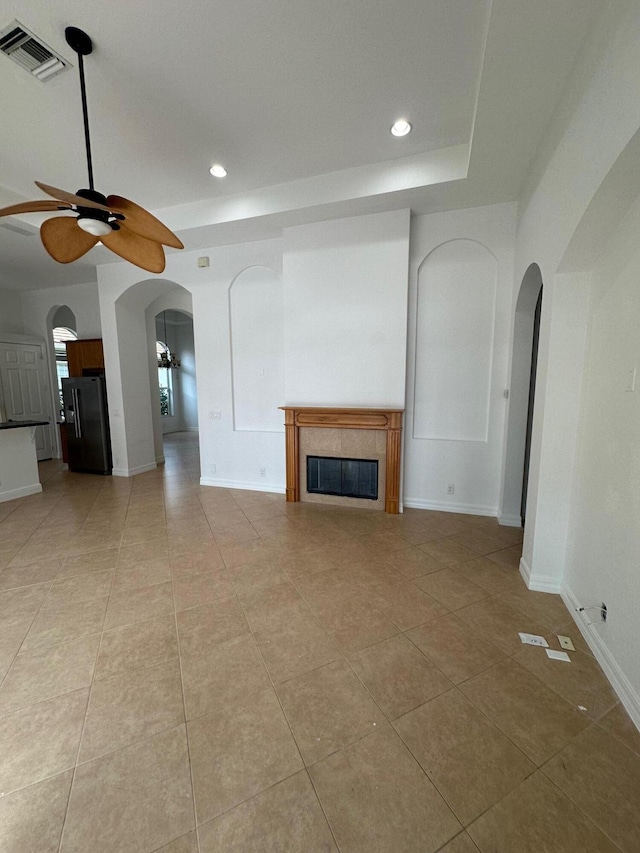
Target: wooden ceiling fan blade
x: 143, y: 223
x: 42, y: 206
x: 147, y: 254
x: 73, y: 199
x: 64, y: 240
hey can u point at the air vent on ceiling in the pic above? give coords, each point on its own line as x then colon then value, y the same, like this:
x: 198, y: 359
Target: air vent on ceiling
x: 30, y: 52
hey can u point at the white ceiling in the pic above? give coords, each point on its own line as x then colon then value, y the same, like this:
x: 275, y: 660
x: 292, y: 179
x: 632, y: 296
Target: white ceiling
x: 294, y: 97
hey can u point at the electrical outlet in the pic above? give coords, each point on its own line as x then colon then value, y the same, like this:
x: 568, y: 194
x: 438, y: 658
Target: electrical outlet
x: 213, y: 469
x: 451, y: 489
x: 603, y: 612
x: 263, y: 472
x: 566, y: 642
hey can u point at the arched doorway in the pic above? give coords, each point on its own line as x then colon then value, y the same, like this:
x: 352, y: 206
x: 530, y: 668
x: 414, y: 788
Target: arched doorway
x: 521, y: 397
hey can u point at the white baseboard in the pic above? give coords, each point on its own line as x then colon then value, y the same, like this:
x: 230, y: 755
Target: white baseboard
x: 510, y: 520
x: 22, y: 492
x: 465, y: 509
x: 539, y: 583
x: 131, y: 472
x: 234, y: 484
x: 627, y: 694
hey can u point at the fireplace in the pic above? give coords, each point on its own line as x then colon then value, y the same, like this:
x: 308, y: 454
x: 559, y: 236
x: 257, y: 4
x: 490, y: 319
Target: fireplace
x: 370, y: 436
x: 348, y: 478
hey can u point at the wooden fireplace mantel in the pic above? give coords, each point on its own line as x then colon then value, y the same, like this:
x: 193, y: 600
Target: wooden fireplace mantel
x: 389, y: 420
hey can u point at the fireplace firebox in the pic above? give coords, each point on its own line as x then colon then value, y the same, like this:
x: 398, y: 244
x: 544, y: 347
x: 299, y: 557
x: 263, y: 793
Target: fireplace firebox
x: 349, y: 478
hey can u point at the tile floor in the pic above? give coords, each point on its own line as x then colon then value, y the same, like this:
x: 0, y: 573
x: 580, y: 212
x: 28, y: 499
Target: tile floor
x: 193, y: 669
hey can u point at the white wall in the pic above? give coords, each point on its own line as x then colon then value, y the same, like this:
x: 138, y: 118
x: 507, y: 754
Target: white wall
x: 605, y: 534
x: 345, y: 287
x: 435, y: 460
x: 11, y: 312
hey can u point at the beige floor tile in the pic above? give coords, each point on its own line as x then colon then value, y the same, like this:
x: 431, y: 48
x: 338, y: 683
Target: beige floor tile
x: 580, y: 682
x: 286, y: 817
x: 478, y: 541
x: 252, y: 579
x: 496, y: 622
x: 454, y: 649
x: 354, y: 624
x: 87, y: 587
x: 273, y: 606
x: 406, y: 605
x: 45, y: 673
x: 460, y: 844
x: 191, y: 590
x: 544, y: 606
x: 201, y: 629
x: 295, y: 647
x: 230, y: 671
x: 469, y: 760
x: 202, y: 557
x: 235, y: 534
x: 35, y: 573
x: 12, y: 633
x: 328, y: 709
x: 134, y: 605
x: 307, y: 563
x: 243, y: 553
x: 508, y: 557
x: 413, y: 563
x: 95, y: 561
x: 137, y: 645
x: 60, y: 624
x: 398, y: 675
x: 376, y: 797
x: 536, y: 719
x: 323, y: 590
x: 185, y: 844
x: 536, y: 817
x: 602, y: 777
x: 132, y: 707
x: 144, y: 533
x: 489, y: 576
x: 144, y: 573
x: 238, y: 751
x: 25, y: 601
x: 40, y: 741
x: 618, y: 723
x: 451, y: 588
x: 31, y: 819
x: 131, y: 555
x: 447, y: 552
x: 138, y: 798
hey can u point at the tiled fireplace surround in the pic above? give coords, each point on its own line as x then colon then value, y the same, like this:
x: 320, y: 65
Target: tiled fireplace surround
x: 344, y: 433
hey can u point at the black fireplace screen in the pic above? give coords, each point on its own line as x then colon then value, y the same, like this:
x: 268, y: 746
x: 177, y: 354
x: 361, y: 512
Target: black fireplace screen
x: 349, y: 478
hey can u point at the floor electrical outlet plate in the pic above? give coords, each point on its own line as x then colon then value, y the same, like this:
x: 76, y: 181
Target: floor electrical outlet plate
x: 566, y: 643
x: 554, y: 655
x: 533, y: 640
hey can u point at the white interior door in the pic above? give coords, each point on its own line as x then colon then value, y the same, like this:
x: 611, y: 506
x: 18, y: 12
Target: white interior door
x: 24, y: 387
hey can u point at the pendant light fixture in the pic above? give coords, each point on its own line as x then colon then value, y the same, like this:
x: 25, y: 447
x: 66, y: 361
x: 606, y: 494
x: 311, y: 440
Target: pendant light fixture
x: 166, y: 358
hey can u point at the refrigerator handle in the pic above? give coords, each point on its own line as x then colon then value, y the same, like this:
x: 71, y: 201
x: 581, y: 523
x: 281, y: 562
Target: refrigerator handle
x: 76, y: 405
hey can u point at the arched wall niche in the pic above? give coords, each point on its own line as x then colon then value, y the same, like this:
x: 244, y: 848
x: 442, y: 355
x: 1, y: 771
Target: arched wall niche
x: 256, y: 338
x: 455, y: 319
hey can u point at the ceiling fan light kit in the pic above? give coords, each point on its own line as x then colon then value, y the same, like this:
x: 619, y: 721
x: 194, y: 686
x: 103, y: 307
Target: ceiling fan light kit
x: 127, y: 229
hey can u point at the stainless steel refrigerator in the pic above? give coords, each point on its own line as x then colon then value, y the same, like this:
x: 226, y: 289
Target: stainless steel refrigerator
x: 87, y: 424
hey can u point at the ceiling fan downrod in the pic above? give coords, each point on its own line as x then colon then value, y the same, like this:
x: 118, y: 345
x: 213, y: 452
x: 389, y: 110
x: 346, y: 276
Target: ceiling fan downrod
x: 81, y: 43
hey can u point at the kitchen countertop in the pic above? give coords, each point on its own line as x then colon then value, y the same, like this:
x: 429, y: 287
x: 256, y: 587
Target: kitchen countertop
x: 20, y: 424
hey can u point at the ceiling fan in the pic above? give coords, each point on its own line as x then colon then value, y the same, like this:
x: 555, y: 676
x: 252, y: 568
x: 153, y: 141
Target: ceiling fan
x: 121, y: 225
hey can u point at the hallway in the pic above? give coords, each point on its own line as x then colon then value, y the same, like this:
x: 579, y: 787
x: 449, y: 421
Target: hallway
x: 197, y: 670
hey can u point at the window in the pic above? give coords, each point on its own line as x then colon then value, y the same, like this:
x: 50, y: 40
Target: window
x: 60, y: 337
x: 165, y: 383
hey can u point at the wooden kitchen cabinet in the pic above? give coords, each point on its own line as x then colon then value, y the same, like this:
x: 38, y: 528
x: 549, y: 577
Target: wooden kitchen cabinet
x: 85, y: 355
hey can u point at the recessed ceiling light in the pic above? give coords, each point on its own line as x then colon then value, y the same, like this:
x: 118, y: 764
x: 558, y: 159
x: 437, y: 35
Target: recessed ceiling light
x: 401, y: 127
x: 218, y: 171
